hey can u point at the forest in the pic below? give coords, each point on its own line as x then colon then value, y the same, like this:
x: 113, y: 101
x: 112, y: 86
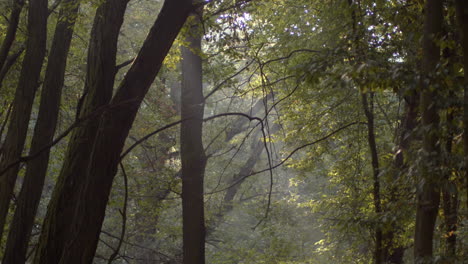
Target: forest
x: 234, y: 131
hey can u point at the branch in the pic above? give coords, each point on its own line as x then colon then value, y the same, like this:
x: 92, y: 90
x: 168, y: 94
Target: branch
x: 236, y: 5
x: 53, y: 7
x: 288, y: 157
x: 138, y: 142
x: 123, y: 64
x: 77, y: 123
x: 217, y: 87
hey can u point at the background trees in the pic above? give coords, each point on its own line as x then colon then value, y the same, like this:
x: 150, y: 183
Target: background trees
x: 326, y: 126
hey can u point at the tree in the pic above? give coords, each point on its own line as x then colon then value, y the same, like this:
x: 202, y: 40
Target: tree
x: 192, y: 153
x: 31, y: 189
x: 114, y: 125
x: 354, y: 124
x: 99, y: 84
x: 429, y: 193
x: 11, y: 32
x: 22, y: 105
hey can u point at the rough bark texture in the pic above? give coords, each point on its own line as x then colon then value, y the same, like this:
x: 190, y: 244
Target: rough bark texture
x: 11, y: 31
x: 29, y: 197
x: 368, y: 111
x: 97, y: 93
x: 191, y: 147
x: 450, y: 194
x: 462, y: 15
x: 85, y: 224
x: 429, y: 193
x: 22, y: 105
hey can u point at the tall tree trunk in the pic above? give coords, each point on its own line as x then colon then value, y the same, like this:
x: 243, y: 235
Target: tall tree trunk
x: 31, y: 190
x: 450, y: 192
x: 11, y: 31
x: 84, y: 226
x: 394, y: 253
x: 428, y: 196
x: 368, y: 110
x: 22, y: 105
x: 462, y: 15
x: 97, y: 93
x: 191, y: 146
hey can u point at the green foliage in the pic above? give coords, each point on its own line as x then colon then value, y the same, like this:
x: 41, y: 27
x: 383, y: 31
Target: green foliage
x: 315, y: 59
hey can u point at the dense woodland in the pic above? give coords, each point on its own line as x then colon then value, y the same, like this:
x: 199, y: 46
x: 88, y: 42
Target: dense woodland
x: 233, y: 131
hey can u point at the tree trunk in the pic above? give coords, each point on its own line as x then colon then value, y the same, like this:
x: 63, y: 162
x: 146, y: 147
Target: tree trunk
x: 428, y: 196
x: 191, y: 146
x: 462, y: 15
x: 394, y: 253
x: 85, y: 225
x: 31, y: 190
x: 450, y: 199
x: 10, y: 36
x: 97, y: 93
x: 450, y: 207
x: 22, y: 105
x: 368, y: 110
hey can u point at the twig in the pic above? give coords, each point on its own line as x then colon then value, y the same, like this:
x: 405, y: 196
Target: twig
x: 217, y: 87
x: 287, y: 157
x: 77, y: 123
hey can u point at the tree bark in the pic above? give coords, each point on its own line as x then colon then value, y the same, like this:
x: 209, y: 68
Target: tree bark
x: 85, y: 225
x: 368, y: 110
x: 22, y: 105
x: 392, y: 252
x: 11, y: 31
x: 428, y: 196
x: 31, y: 190
x: 97, y: 93
x: 450, y: 194
x: 462, y: 15
x: 191, y: 146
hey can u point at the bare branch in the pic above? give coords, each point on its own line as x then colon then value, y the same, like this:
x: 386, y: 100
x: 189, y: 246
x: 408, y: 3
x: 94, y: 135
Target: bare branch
x: 288, y: 157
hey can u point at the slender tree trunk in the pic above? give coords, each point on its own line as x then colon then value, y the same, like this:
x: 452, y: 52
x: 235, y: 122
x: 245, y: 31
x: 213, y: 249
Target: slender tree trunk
x: 97, y: 93
x: 450, y: 199
x: 394, y: 253
x: 462, y: 15
x: 31, y: 190
x: 245, y: 170
x: 428, y: 196
x: 85, y: 225
x: 368, y: 110
x: 191, y: 146
x: 450, y: 193
x: 11, y: 31
x: 22, y: 105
